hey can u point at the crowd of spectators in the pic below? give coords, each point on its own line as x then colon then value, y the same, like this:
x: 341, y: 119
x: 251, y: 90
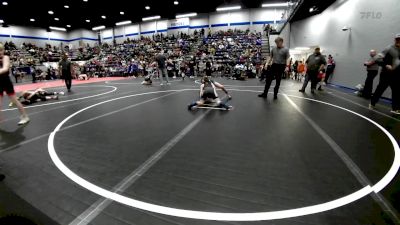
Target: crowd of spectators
x: 233, y: 53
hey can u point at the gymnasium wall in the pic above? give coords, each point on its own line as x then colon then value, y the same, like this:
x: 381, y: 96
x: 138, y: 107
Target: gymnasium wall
x: 81, y: 37
x: 252, y: 19
x: 373, y: 26
x: 40, y: 37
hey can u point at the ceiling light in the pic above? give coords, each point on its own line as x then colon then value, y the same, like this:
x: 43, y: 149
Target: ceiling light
x: 68, y: 26
x: 123, y: 23
x: 51, y: 12
x: 5, y: 3
x: 87, y: 21
x: 122, y: 13
x: 151, y: 18
x: 99, y: 28
x: 56, y: 19
x: 85, y: 0
x: 271, y: 5
x: 147, y: 7
x: 32, y: 20
x: 1, y: 21
x: 58, y: 28
x: 176, y: 3
x: 66, y: 6
x: 103, y: 17
x: 313, y: 9
x: 186, y: 15
x: 229, y: 8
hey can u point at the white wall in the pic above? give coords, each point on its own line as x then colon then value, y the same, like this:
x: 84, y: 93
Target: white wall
x: 162, y: 26
x: 261, y: 16
x: 217, y: 19
x: 201, y: 20
x: 147, y: 29
x: 107, y: 35
x: 132, y: 31
x: 350, y: 49
x: 182, y: 23
x: 80, y: 37
x: 41, y: 37
x: 240, y: 20
x: 35, y: 36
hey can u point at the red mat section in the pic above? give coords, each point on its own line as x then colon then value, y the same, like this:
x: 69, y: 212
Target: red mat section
x: 60, y: 83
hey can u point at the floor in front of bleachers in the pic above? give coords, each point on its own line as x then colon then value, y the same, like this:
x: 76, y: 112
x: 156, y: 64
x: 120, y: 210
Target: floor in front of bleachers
x: 263, y: 156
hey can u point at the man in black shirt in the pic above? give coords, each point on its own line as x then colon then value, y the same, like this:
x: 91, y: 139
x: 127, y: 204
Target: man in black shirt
x: 65, y: 70
x: 161, y: 59
x: 390, y: 76
x: 315, y: 63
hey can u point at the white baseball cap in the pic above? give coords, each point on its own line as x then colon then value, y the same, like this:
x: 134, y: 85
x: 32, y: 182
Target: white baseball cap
x: 397, y: 36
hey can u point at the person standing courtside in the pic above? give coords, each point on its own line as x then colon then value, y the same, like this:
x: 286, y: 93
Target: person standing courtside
x: 330, y: 68
x: 162, y: 70
x: 279, y: 59
x: 372, y: 72
x: 390, y: 76
x: 7, y: 86
x: 65, y: 69
x: 314, y: 64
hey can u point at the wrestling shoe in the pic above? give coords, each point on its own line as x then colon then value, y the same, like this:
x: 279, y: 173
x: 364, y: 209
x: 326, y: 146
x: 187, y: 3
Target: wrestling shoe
x: 371, y: 107
x: 11, y: 105
x: 275, y: 97
x: 24, y: 120
x: 302, y: 91
x: 229, y: 108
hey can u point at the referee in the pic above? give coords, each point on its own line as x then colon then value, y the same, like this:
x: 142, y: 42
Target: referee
x: 279, y: 59
x: 65, y: 70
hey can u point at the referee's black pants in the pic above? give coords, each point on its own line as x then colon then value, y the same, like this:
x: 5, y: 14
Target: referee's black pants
x: 276, y: 72
x: 388, y: 79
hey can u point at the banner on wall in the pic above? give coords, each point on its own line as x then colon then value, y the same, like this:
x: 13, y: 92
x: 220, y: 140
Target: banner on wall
x: 176, y: 23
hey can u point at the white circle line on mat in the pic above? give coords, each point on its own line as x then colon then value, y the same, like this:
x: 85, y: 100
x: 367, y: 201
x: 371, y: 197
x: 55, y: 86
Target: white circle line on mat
x: 202, y: 215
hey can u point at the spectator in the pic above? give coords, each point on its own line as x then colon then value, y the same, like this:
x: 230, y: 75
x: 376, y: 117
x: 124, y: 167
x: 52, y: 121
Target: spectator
x: 296, y: 72
x: 390, y: 76
x: 372, y: 72
x: 330, y: 68
x: 301, y: 69
x: 315, y: 63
